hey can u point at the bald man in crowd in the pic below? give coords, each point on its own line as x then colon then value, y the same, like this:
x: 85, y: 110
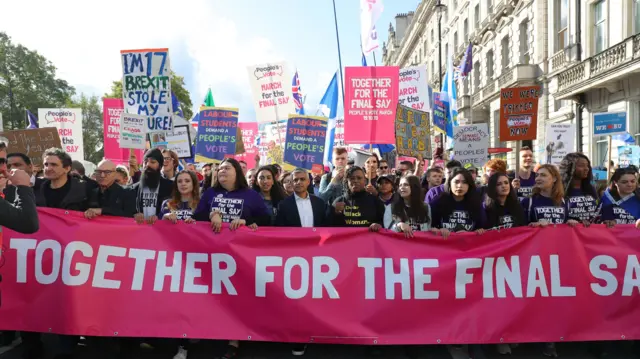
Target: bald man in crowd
x: 109, y: 198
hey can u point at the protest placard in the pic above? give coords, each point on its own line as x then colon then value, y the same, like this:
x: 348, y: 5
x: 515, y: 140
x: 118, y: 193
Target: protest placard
x: 68, y: 122
x: 628, y: 155
x: 133, y: 131
x: 217, y: 133
x: 32, y: 143
x: 146, y: 87
x: 519, y: 113
x: 271, y: 88
x: 249, y: 131
x: 560, y: 140
x: 440, y: 113
x: 371, y: 97
x: 178, y: 141
x: 471, y: 144
x: 609, y: 123
x: 305, y: 141
x: 412, y: 133
x: 112, y: 109
x: 414, y: 91
x: 272, y: 140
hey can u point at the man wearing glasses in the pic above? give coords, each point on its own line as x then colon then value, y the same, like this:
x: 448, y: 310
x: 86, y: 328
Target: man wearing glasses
x: 383, y: 168
x: 109, y: 198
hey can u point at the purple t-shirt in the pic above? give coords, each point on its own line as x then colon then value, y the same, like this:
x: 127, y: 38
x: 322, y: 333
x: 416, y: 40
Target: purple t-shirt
x: 538, y: 207
x: 526, y: 185
x: 239, y: 204
x: 183, y: 211
x: 582, y: 206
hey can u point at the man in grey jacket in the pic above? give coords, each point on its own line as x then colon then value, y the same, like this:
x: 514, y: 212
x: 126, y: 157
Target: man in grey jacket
x: 331, y: 184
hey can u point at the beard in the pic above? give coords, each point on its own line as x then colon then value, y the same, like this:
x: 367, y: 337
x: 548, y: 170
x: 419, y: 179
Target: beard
x: 150, y: 178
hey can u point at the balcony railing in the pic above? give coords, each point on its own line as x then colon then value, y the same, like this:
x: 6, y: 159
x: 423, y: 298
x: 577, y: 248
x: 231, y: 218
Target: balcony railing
x: 524, y: 74
x: 558, y: 60
x: 604, y: 64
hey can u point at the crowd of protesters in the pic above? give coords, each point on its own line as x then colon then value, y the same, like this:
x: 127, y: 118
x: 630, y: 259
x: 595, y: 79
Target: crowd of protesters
x: 407, y: 199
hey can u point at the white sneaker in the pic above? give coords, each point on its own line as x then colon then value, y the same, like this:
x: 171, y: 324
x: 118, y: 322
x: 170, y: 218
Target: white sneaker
x: 182, y: 354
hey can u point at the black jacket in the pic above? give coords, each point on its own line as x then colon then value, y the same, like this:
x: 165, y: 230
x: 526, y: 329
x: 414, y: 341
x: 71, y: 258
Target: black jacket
x: 135, y: 195
x: 20, y: 214
x: 288, y: 215
x: 76, y: 200
x: 113, y: 201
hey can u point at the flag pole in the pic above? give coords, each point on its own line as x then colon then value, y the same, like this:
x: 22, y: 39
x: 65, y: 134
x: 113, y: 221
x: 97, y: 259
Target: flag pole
x: 335, y: 19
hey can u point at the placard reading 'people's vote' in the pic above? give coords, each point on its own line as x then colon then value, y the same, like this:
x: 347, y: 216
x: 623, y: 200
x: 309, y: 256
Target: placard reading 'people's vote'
x: 146, y: 87
x: 217, y: 133
x: 305, y: 141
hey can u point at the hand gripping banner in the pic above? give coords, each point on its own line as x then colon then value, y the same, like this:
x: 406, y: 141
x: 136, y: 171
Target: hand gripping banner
x: 109, y: 277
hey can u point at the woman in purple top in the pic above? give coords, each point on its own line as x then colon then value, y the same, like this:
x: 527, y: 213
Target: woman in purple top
x: 580, y: 195
x: 269, y: 190
x: 230, y: 200
x: 458, y: 208
x: 184, y: 198
x: 501, y: 204
x: 546, y: 204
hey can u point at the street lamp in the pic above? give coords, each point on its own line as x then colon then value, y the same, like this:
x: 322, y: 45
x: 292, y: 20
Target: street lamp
x: 440, y: 9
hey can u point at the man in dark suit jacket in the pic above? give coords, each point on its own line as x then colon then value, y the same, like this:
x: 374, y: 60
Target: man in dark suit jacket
x: 302, y: 209
x: 152, y: 190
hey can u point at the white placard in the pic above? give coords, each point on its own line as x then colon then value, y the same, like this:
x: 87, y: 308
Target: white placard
x: 271, y: 88
x: 68, y: 122
x: 133, y: 131
x: 471, y: 144
x: 559, y: 141
x: 414, y: 91
x: 146, y: 87
x: 178, y: 141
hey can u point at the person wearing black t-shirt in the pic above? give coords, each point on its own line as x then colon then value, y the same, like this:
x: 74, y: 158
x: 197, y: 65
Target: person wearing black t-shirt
x: 501, y: 205
x: 357, y: 207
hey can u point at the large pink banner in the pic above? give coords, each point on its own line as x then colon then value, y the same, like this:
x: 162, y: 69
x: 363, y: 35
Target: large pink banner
x: 371, y: 98
x: 112, y: 109
x: 110, y: 277
x: 249, y: 133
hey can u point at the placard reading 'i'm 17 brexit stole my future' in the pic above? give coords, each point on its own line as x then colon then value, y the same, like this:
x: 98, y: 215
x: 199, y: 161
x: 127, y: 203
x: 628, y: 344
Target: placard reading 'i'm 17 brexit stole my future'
x: 146, y: 87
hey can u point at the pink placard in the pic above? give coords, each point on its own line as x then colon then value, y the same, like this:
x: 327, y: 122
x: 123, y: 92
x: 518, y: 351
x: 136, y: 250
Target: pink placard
x: 371, y: 97
x: 249, y: 133
x: 112, y: 108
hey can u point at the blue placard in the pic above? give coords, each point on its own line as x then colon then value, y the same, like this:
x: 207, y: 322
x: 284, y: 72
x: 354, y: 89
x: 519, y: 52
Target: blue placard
x: 440, y: 111
x: 610, y: 123
x: 305, y: 141
x: 217, y: 130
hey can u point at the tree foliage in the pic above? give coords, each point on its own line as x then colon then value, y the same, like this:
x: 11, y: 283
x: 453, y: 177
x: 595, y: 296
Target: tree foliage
x: 27, y: 82
x: 92, y: 126
x: 177, y: 86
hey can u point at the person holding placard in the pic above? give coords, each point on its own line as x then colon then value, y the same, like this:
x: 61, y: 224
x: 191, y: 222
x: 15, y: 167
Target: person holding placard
x: 331, y: 183
x: 621, y: 202
x: 371, y: 166
x: 524, y: 179
x: 152, y: 189
x: 580, y: 195
x: 170, y: 164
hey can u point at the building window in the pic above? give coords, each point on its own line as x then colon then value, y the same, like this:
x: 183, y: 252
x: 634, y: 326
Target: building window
x: 562, y: 10
x: 476, y: 76
x: 433, y: 38
x: 636, y: 16
x: 489, y: 7
x: 558, y: 104
x: 505, y: 52
x: 524, y: 43
x: 455, y: 41
x: 466, y: 28
x: 490, y: 65
x: 600, y: 24
x: 446, y: 53
x: 476, y: 15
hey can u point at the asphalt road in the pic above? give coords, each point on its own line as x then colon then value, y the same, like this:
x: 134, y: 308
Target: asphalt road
x: 254, y: 350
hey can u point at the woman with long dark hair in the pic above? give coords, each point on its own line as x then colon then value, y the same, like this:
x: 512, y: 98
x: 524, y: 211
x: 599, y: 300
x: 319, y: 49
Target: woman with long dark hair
x: 621, y: 202
x: 501, y: 205
x: 409, y: 212
x: 185, y: 197
x: 459, y: 207
x: 580, y: 195
x: 357, y: 207
x: 269, y: 190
